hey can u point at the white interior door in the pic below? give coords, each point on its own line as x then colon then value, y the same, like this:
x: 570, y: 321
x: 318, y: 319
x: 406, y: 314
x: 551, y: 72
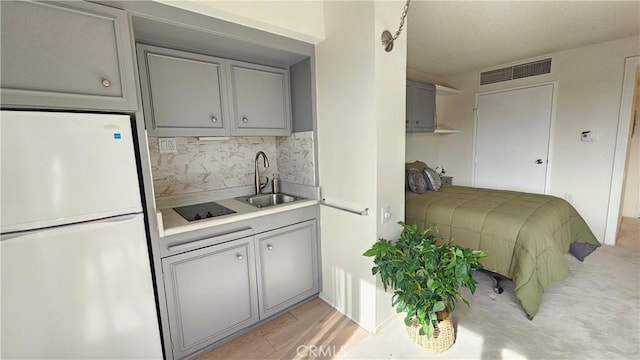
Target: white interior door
x: 512, y: 139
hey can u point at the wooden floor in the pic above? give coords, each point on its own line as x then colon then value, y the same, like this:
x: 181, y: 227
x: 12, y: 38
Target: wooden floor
x: 313, y: 330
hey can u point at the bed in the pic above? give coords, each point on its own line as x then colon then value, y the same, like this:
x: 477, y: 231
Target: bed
x: 525, y: 235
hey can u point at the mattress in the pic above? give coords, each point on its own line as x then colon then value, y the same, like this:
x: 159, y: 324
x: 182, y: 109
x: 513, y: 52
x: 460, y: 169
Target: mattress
x: 525, y: 235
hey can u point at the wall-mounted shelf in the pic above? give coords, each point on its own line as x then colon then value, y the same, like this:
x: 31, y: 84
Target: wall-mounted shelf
x: 444, y: 129
x: 446, y: 91
x: 442, y: 90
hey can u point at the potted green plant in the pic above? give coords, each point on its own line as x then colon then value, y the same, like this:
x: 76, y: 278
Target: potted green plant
x: 425, y: 277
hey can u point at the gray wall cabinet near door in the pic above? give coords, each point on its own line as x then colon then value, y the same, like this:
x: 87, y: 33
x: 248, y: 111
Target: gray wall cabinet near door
x: 66, y: 55
x: 261, y: 99
x: 183, y: 94
x: 288, y: 266
x: 421, y: 107
x: 210, y: 294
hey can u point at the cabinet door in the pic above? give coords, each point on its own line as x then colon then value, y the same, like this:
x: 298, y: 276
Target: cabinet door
x: 211, y: 293
x: 422, y: 107
x: 261, y: 99
x: 288, y: 266
x: 73, y: 55
x: 183, y: 94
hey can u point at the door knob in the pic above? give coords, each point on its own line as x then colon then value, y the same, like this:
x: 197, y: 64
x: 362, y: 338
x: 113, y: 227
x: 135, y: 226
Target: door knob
x: 539, y: 161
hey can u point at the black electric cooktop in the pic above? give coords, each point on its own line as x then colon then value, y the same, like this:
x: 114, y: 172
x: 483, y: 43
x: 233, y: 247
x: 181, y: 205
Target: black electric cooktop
x: 202, y: 211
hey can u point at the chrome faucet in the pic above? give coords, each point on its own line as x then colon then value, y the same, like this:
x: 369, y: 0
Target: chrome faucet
x: 259, y: 185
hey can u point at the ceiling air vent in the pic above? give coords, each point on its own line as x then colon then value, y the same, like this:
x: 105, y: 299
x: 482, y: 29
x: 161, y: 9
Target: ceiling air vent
x: 516, y: 72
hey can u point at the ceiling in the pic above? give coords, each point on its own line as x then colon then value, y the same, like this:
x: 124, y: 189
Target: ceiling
x: 449, y: 37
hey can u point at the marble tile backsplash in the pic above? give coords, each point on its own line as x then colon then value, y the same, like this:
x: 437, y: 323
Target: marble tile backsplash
x: 296, y: 160
x: 223, y: 164
x: 209, y: 165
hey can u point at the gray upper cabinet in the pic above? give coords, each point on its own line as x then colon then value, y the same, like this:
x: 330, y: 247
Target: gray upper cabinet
x: 260, y: 98
x: 421, y: 107
x: 66, y: 55
x: 183, y: 94
x: 288, y: 266
x: 210, y: 294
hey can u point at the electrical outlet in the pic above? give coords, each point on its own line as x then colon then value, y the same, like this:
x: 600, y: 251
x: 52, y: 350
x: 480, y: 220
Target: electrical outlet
x: 385, y: 214
x: 167, y: 145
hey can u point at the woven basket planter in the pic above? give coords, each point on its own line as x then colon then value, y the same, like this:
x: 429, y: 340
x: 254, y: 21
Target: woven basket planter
x: 443, y: 337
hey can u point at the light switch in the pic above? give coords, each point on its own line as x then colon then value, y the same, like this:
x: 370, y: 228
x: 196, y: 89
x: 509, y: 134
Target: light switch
x: 385, y: 214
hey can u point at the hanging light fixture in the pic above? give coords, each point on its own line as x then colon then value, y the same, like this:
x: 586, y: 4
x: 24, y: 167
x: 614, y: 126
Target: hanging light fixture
x: 387, y: 38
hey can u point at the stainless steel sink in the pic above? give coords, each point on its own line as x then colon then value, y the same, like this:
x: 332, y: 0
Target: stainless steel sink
x: 266, y: 200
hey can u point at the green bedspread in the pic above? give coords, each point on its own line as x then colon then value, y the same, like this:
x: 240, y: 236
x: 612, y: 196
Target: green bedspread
x: 523, y: 234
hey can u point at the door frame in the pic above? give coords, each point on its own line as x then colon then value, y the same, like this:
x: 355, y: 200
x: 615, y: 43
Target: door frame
x: 552, y: 126
x: 620, y: 152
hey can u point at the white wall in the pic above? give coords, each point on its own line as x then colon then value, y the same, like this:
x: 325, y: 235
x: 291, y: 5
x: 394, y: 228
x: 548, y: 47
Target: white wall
x: 300, y: 20
x: 588, y: 98
x: 390, y: 106
x: 360, y: 150
x: 631, y: 194
x: 424, y: 147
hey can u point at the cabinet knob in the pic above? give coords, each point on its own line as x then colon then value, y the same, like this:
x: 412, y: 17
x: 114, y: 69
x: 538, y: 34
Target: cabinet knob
x: 245, y: 120
x: 106, y: 82
x: 539, y: 161
x: 239, y: 257
x: 416, y: 122
x: 214, y: 119
x: 269, y: 247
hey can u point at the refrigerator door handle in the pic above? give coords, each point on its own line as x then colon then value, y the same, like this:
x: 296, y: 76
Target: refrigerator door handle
x: 72, y: 227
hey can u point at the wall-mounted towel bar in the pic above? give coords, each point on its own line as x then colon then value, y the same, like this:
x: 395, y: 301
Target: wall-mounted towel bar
x: 364, y: 212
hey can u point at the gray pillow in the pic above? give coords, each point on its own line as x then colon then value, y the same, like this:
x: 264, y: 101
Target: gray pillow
x: 434, y: 182
x: 418, y: 165
x: 416, y: 181
x: 581, y: 250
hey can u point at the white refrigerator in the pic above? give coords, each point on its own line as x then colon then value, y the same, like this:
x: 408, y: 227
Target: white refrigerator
x: 76, y: 280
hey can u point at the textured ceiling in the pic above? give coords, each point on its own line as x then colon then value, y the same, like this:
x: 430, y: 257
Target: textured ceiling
x: 448, y: 37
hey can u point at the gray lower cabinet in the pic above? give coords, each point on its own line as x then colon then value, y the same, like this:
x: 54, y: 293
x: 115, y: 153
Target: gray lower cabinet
x: 421, y: 107
x: 217, y: 290
x: 183, y: 94
x: 211, y: 293
x: 261, y: 103
x: 288, y: 266
x: 66, y: 55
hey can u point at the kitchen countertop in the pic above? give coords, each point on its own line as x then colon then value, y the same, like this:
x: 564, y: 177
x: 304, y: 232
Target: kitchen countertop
x: 171, y: 223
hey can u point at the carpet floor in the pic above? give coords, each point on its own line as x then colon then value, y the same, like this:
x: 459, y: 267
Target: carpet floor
x: 594, y: 314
